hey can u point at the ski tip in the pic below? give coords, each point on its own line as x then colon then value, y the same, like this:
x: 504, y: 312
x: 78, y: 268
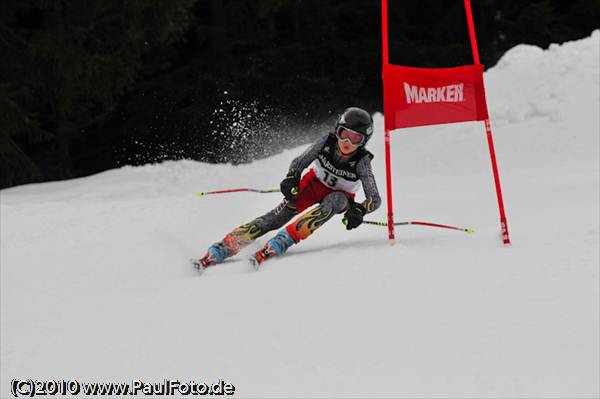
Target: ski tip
x: 254, y: 263
x: 196, y: 263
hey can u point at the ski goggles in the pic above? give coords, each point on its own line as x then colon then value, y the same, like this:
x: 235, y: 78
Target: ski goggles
x: 356, y: 138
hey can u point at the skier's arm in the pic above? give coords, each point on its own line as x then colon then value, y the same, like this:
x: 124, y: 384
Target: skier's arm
x: 365, y: 173
x: 310, y: 154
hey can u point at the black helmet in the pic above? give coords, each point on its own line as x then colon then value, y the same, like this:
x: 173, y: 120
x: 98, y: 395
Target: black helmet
x: 357, y: 120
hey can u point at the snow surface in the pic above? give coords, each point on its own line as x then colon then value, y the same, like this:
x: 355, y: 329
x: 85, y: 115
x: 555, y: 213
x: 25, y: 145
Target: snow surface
x: 96, y: 284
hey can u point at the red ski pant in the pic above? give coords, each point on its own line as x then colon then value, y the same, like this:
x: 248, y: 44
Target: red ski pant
x: 312, y: 190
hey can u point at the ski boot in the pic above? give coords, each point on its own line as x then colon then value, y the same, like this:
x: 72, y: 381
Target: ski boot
x: 230, y: 245
x: 202, y: 263
x: 215, y: 254
x: 274, y: 247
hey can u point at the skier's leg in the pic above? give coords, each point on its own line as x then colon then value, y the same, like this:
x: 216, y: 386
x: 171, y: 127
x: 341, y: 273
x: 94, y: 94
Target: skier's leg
x: 243, y: 235
x: 310, y: 192
x: 304, y: 226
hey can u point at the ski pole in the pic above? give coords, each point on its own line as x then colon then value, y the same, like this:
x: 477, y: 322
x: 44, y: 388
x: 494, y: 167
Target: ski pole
x: 276, y: 190
x: 235, y: 190
x: 443, y: 226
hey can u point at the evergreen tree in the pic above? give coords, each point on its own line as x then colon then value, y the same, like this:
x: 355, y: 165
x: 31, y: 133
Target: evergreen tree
x: 65, y: 65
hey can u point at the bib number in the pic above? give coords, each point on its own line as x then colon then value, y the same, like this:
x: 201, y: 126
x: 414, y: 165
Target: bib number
x: 330, y: 179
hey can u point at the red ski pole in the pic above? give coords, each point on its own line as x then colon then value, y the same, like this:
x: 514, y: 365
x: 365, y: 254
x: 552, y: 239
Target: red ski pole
x: 443, y: 226
x: 236, y: 190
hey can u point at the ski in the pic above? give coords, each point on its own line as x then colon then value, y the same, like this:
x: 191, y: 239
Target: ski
x: 260, y: 256
x: 255, y: 263
x: 202, y: 263
x: 197, y: 265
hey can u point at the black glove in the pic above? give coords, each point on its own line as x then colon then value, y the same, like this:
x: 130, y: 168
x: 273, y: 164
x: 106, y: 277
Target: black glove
x: 354, y: 216
x: 289, y: 186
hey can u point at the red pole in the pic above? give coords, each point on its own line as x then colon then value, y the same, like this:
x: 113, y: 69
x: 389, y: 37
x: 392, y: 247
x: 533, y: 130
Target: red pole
x: 384, y: 30
x: 235, y: 190
x: 443, y: 226
x: 488, y: 129
x: 388, y: 181
x: 472, y: 32
x: 503, y: 223
x: 388, y: 170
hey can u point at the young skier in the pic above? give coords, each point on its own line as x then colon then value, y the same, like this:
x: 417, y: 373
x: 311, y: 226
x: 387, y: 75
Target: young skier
x: 340, y: 163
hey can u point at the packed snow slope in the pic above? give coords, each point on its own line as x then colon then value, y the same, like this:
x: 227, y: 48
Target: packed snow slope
x: 96, y: 285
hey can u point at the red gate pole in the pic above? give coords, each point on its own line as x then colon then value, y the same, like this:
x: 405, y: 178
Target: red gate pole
x: 388, y: 180
x: 388, y: 170
x: 488, y: 129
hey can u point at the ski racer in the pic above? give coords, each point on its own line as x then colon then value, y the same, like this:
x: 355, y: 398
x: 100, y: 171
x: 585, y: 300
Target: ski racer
x: 339, y: 164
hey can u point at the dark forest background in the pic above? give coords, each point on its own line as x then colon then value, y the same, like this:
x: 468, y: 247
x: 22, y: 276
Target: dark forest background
x: 87, y: 86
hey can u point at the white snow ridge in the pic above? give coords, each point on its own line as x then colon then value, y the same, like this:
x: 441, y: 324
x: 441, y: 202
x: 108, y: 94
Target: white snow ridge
x: 95, y: 284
